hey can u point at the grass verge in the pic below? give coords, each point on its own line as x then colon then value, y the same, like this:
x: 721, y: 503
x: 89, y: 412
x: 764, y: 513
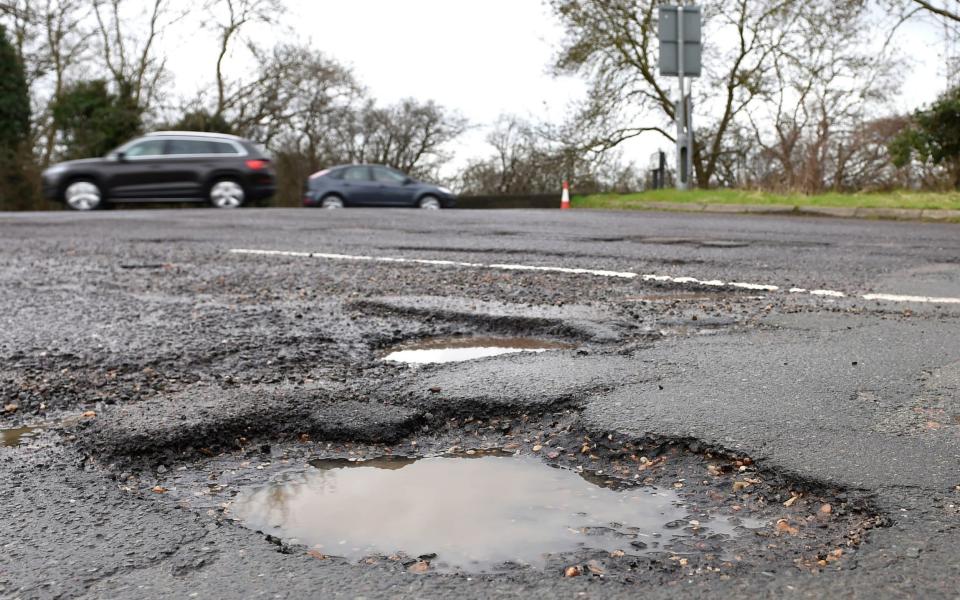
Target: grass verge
x: 898, y: 199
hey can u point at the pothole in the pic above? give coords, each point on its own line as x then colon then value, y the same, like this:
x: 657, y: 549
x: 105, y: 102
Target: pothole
x: 475, y: 513
x: 561, y: 471
x: 447, y: 350
x: 15, y: 437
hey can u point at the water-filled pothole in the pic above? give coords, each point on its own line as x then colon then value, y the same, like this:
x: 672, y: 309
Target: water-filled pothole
x: 15, y: 437
x: 475, y: 514
x: 447, y: 350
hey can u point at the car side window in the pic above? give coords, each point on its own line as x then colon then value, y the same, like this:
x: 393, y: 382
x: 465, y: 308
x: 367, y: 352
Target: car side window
x: 221, y: 148
x: 179, y: 147
x: 145, y: 149
x: 357, y: 174
x: 387, y: 176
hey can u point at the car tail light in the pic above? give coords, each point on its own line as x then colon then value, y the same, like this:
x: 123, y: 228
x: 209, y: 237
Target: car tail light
x: 257, y: 165
x: 319, y: 174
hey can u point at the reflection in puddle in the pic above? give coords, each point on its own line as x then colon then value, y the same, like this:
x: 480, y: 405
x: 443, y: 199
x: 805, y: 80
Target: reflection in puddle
x: 446, y: 350
x: 475, y: 514
x: 15, y: 437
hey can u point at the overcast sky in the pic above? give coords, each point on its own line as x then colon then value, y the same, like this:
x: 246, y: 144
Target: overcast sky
x: 480, y: 58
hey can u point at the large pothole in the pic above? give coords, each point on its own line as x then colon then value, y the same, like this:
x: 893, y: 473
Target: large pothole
x: 473, y: 513
x: 634, y: 510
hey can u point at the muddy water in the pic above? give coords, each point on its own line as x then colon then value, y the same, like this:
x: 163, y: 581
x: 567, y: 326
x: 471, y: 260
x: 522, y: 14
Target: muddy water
x: 446, y: 350
x: 475, y: 514
x: 15, y: 437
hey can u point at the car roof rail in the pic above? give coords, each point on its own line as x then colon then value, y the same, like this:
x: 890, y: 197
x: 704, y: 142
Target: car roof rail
x: 197, y: 134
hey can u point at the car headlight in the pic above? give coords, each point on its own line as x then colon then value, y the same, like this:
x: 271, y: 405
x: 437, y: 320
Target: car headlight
x: 446, y: 191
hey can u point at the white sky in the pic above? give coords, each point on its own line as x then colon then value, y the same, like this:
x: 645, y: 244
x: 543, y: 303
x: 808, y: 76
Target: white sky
x: 479, y: 58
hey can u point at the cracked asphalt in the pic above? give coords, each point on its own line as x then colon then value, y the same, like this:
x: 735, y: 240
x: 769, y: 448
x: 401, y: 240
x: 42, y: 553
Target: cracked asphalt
x: 154, y: 359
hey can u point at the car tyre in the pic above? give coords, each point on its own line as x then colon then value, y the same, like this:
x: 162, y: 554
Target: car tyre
x: 227, y: 193
x: 332, y: 202
x: 430, y: 203
x: 83, y: 195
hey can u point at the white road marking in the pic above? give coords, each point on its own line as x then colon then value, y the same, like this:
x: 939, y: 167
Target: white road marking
x: 621, y: 274
x: 754, y: 286
x: 897, y: 298
x: 831, y: 293
x: 599, y: 273
x: 360, y: 257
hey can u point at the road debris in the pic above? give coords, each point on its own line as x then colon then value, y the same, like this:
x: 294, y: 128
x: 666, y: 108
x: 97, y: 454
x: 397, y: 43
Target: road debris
x: 419, y: 567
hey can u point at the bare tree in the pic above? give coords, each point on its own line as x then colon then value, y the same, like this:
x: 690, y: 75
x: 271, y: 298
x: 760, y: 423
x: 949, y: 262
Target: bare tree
x: 129, y: 46
x: 292, y: 98
x: 229, y: 19
x: 67, y: 38
x: 52, y: 39
x: 615, y: 44
x: 410, y: 135
x: 524, y: 161
x: 823, y: 91
x: 947, y: 9
x: 293, y: 104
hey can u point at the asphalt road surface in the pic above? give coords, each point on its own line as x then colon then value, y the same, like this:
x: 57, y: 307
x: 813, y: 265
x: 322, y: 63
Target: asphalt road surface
x: 804, y: 370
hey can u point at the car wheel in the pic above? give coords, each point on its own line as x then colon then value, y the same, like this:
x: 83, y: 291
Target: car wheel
x: 83, y: 194
x: 227, y: 193
x: 332, y: 202
x: 429, y: 203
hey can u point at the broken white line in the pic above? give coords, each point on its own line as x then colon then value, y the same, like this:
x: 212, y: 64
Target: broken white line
x: 621, y: 274
x: 598, y: 273
x: 898, y: 298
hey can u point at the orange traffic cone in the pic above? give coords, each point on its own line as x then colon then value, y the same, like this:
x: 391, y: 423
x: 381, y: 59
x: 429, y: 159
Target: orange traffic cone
x: 565, y: 197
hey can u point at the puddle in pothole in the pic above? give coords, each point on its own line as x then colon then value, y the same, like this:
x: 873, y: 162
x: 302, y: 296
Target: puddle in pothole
x: 476, y: 514
x: 447, y: 350
x: 15, y: 437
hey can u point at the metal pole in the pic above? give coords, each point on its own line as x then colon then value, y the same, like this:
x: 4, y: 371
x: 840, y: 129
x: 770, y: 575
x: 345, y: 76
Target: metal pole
x: 682, y: 175
x: 688, y: 138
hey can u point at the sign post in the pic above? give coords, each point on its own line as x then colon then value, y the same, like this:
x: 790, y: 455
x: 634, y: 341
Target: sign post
x: 680, y: 56
x: 658, y: 170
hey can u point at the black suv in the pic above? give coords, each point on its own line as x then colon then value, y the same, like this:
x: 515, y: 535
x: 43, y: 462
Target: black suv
x: 166, y: 166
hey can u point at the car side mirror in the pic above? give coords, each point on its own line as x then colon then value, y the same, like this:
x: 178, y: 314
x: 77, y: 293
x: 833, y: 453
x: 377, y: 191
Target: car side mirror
x: 121, y: 157
x: 408, y: 181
